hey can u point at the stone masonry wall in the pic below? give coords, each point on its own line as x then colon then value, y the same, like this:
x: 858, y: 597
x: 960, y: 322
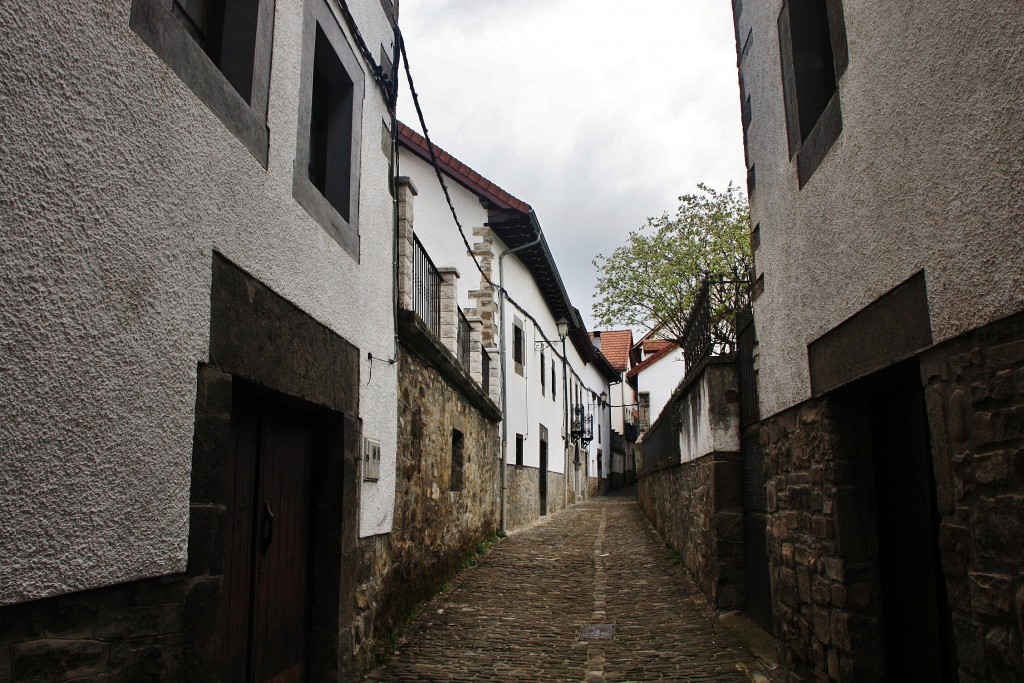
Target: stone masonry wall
x: 522, y: 498
x: 128, y: 632
x: 820, y: 525
x: 974, y: 392
x: 436, y: 529
x: 697, y: 508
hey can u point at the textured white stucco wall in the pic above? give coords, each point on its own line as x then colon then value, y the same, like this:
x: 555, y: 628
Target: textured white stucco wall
x: 925, y: 174
x: 118, y: 185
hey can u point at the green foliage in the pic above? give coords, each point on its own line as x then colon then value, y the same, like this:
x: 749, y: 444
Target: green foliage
x: 652, y: 281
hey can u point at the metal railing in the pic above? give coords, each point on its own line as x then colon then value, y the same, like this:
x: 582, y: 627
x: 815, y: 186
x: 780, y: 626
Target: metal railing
x: 426, y: 288
x: 711, y: 328
x: 463, y: 339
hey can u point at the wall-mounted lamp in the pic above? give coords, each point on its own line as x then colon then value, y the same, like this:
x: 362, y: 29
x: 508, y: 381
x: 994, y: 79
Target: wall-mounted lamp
x: 563, y: 328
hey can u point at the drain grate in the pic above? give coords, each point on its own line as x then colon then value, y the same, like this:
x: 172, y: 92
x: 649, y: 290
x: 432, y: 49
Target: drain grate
x: 597, y: 632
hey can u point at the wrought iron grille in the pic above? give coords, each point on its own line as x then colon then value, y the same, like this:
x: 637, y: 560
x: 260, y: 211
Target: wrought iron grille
x: 711, y: 326
x: 697, y: 335
x: 463, y: 340
x: 426, y: 288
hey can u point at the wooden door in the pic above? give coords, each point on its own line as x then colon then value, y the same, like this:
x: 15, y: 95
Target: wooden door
x: 543, y: 481
x: 267, y: 564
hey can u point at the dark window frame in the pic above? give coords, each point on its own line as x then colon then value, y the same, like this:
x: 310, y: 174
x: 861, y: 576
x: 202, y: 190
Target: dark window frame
x: 518, y: 347
x: 156, y: 24
x: 520, y: 447
x: 543, y: 375
x: 319, y: 19
x: 811, y: 138
x: 457, y: 480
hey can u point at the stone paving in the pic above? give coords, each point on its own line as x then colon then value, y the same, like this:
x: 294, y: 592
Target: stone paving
x: 518, y: 614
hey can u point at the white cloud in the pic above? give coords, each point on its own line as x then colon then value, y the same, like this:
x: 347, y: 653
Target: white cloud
x: 596, y: 115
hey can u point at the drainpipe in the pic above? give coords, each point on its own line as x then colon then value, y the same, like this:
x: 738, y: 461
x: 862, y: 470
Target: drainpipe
x: 504, y: 366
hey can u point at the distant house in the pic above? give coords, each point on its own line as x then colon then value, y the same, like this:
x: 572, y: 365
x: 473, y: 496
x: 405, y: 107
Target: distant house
x: 555, y: 428
x: 656, y: 376
x: 617, y: 347
x: 883, y: 142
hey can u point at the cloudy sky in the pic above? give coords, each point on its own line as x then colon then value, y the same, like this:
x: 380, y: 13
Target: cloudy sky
x: 596, y: 115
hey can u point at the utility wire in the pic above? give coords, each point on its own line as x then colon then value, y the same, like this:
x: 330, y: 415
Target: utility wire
x: 384, y: 80
x: 455, y: 217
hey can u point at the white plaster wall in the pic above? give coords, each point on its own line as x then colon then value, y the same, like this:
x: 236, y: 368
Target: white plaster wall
x: 660, y: 379
x: 118, y: 185
x: 700, y: 436
x: 435, y: 227
x: 925, y: 174
x: 528, y: 406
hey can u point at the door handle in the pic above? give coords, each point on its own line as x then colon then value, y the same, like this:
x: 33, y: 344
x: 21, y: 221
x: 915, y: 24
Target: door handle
x: 268, y: 526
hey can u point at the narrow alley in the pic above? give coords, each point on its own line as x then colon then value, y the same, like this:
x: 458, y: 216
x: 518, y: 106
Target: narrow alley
x: 518, y: 614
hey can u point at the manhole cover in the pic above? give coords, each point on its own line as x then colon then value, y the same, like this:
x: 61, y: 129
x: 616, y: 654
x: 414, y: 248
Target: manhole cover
x: 597, y: 632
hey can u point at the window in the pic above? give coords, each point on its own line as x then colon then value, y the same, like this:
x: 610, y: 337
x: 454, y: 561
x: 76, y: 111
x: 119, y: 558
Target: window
x: 543, y: 375
x: 221, y: 50
x: 645, y: 410
x: 330, y: 113
x: 554, y: 384
x: 518, y: 356
x: 458, y: 446
x: 812, y: 45
x: 519, y: 450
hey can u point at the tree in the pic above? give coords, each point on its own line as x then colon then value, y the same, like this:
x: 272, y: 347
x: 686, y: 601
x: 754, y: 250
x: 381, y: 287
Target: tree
x: 653, y: 280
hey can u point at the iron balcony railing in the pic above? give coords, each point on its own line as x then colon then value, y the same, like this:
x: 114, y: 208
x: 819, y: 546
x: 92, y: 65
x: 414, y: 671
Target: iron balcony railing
x: 426, y: 288
x: 463, y: 339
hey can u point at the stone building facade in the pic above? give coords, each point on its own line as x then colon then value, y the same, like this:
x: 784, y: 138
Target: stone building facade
x: 447, y: 492
x: 888, y: 310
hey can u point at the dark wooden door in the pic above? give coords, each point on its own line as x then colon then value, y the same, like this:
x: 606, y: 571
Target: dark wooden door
x: 543, y: 481
x: 267, y: 564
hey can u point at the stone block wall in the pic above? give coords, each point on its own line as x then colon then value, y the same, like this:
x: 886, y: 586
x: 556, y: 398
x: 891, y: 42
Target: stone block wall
x: 822, y: 526
x: 129, y: 632
x: 821, y: 523
x: 522, y: 497
x: 697, y: 508
x: 437, y: 525
x: 974, y: 393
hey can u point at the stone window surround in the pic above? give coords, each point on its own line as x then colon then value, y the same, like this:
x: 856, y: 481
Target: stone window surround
x: 246, y: 348
x: 154, y: 23
x: 344, y: 232
x: 811, y: 151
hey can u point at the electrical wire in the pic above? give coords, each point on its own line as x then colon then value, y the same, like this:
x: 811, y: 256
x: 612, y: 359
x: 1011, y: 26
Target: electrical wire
x: 455, y: 217
x: 385, y: 81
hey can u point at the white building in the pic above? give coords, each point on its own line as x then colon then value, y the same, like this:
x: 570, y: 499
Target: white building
x: 659, y: 372
x: 198, y: 288
x: 545, y: 468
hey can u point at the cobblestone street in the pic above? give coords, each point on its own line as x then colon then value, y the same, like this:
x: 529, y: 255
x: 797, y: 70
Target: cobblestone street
x: 518, y: 614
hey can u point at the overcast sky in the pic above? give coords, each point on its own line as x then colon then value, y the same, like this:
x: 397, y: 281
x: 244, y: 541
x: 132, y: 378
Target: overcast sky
x: 596, y: 115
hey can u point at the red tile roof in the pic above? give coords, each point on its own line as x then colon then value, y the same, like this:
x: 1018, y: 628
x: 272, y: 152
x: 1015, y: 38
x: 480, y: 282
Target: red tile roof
x: 668, y: 348
x: 615, y: 345
x: 458, y: 171
x: 654, y: 345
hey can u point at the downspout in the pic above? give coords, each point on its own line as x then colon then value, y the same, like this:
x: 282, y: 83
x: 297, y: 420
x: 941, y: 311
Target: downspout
x: 504, y: 368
